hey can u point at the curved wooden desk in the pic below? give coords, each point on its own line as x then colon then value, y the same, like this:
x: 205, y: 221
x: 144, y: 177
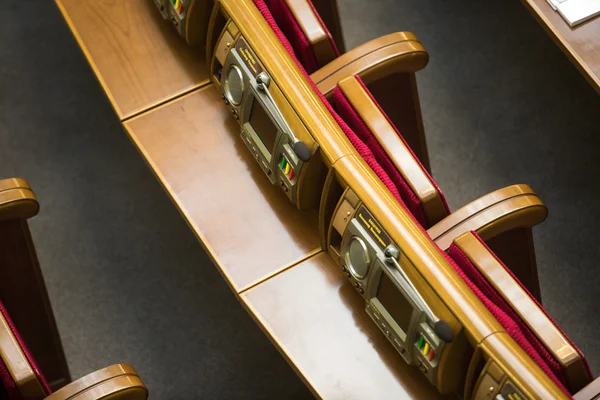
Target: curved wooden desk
x: 296, y: 293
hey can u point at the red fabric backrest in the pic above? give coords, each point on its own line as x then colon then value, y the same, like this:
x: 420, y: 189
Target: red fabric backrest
x: 367, y: 154
x: 362, y: 149
x: 589, y: 371
x: 368, y: 147
x: 508, y: 318
x: 287, y: 23
x: 7, y: 381
x: 435, y: 185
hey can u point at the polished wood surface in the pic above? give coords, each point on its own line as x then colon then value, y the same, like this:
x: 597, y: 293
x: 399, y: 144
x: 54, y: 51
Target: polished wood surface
x: 497, y: 212
x: 374, y: 60
x: 520, y: 368
x: 387, y: 65
x: 318, y: 321
x: 117, y: 382
x: 428, y: 260
x: 137, y: 56
x: 581, y: 43
x: 292, y: 82
x: 248, y: 226
x: 527, y: 309
x: 17, y: 200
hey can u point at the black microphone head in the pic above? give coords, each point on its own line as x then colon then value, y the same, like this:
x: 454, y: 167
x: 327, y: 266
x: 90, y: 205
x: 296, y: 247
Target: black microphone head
x: 442, y: 329
x: 301, y: 151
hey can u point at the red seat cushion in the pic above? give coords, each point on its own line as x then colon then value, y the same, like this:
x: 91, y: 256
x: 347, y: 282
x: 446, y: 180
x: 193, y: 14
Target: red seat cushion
x: 435, y: 185
x: 363, y: 137
x: 362, y: 149
x: 383, y: 172
x: 9, y: 384
x: 287, y: 23
x: 508, y: 318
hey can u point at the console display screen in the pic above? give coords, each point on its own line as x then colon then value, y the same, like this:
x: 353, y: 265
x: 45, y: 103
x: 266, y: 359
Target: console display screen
x: 263, y: 126
x: 394, y: 302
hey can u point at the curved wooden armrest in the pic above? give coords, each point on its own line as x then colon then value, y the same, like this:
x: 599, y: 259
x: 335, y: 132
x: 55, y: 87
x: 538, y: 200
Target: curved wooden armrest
x: 590, y: 392
x: 317, y: 35
x: 117, y: 382
x: 17, y: 200
x: 512, y: 207
x: 527, y: 309
x: 379, y: 58
x: 15, y: 361
x: 397, y: 150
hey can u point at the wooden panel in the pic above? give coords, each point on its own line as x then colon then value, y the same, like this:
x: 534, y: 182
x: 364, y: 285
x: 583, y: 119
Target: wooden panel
x: 138, y: 57
x: 318, y: 321
x: 248, y: 225
x: 581, y: 44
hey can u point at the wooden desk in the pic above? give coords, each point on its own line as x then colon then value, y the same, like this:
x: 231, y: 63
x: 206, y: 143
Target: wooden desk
x: 248, y: 226
x: 138, y: 58
x: 318, y: 321
x: 267, y: 250
x: 581, y: 44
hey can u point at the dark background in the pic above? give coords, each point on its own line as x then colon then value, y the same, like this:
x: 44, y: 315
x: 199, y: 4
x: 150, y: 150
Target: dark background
x: 129, y: 282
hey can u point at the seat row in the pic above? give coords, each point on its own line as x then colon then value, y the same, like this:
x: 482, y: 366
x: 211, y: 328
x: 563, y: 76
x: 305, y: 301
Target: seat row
x: 487, y: 244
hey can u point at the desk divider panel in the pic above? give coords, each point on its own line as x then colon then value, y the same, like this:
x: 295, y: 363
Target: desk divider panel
x: 138, y: 58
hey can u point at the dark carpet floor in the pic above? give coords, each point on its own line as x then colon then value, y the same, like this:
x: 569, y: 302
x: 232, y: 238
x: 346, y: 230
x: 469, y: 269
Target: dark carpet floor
x: 128, y: 280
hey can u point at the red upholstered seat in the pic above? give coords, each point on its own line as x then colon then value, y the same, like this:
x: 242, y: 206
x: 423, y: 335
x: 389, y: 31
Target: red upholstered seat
x: 362, y: 140
x: 288, y: 25
x: 508, y: 318
x: 364, y: 137
x: 8, y: 383
x: 403, y: 194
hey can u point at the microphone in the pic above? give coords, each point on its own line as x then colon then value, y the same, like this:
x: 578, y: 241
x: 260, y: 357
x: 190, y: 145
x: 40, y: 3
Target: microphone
x: 300, y: 149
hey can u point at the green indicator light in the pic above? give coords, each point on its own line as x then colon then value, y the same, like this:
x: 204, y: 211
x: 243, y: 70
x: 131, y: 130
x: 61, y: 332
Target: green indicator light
x: 421, y: 342
x: 283, y: 163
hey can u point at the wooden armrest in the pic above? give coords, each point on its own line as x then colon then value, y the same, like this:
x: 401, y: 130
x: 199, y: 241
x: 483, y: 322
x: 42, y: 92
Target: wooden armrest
x: 404, y: 160
x: 15, y: 361
x: 590, y: 392
x: 117, y: 382
x: 571, y: 361
x: 379, y: 58
x: 512, y: 207
x: 17, y: 200
x: 315, y: 32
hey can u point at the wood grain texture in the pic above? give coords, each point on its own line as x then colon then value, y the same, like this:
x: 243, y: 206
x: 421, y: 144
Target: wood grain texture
x: 528, y: 310
x: 318, y: 321
x: 117, y: 382
x: 581, y: 44
x: 512, y: 207
x: 520, y: 368
x: 137, y: 56
x: 249, y: 226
